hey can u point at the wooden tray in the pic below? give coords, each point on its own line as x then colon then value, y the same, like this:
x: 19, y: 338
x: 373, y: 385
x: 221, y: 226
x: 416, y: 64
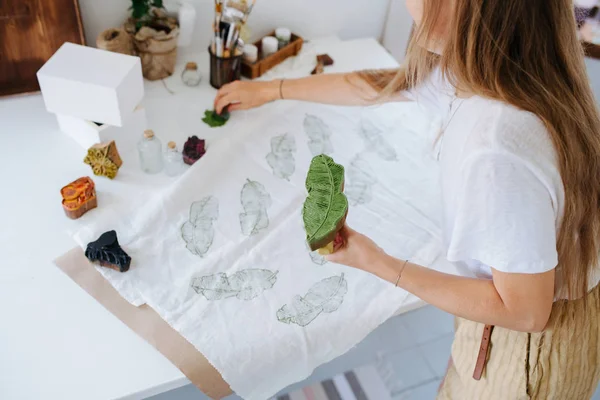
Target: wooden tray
x: 254, y: 70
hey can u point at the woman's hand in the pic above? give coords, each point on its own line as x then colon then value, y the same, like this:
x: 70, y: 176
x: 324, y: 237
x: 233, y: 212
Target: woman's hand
x: 241, y: 95
x: 357, y: 251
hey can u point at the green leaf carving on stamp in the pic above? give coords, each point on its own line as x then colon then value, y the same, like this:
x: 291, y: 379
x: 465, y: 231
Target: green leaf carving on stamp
x: 325, y: 208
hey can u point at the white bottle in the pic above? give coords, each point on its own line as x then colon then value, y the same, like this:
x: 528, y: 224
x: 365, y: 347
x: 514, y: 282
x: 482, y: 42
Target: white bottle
x: 173, y: 160
x: 284, y: 36
x: 269, y: 46
x: 150, y: 150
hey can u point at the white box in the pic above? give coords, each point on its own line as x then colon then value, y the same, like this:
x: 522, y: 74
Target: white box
x: 92, y: 84
x: 87, y: 133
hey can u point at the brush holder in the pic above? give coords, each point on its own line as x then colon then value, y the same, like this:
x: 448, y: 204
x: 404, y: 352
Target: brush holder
x: 224, y: 70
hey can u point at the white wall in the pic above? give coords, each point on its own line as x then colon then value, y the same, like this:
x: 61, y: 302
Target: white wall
x: 309, y: 18
x: 397, y: 29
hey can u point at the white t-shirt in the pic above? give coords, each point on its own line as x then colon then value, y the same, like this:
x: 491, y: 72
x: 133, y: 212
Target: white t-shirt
x: 502, y: 193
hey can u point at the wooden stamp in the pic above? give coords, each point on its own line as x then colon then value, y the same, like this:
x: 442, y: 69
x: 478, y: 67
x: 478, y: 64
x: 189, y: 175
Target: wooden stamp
x: 79, y: 197
x: 319, y: 69
x: 104, y: 159
x: 107, y: 252
x: 325, y: 59
x: 325, y: 209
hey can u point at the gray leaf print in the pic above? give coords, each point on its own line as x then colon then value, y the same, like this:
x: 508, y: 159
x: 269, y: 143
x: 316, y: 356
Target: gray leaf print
x: 374, y: 141
x: 255, y: 202
x: 319, y: 134
x: 325, y: 296
x: 317, y: 258
x: 281, y: 157
x: 245, y: 285
x: 198, y: 233
x: 360, y: 180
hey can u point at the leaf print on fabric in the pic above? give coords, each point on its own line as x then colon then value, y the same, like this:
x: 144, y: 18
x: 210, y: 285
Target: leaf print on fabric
x: 281, y: 158
x: 255, y: 202
x: 374, y: 141
x: 361, y: 179
x: 198, y: 233
x: 325, y: 208
x: 319, y: 134
x: 317, y: 258
x: 245, y: 285
x: 325, y: 296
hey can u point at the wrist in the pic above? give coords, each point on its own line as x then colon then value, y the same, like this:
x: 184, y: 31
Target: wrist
x: 272, y: 90
x: 383, y: 267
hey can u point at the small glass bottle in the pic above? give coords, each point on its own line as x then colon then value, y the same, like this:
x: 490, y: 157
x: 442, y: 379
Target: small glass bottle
x: 190, y: 75
x: 173, y: 160
x: 150, y: 150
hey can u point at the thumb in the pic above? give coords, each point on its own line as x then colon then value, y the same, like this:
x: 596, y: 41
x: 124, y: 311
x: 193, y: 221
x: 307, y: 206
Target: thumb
x: 346, y: 233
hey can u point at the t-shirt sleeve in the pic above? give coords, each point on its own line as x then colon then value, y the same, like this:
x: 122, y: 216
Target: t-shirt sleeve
x: 505, y: 217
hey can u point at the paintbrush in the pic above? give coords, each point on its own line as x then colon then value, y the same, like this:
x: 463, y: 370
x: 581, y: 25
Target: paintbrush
x: 230, y: 33
x: 217, y: 25
x: 236, y: 36
x: 238, y: 50
x: 248, y: 11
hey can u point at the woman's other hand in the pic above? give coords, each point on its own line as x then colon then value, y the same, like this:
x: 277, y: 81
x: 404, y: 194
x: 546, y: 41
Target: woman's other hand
x: 241, y: 95
x: 356, y: 251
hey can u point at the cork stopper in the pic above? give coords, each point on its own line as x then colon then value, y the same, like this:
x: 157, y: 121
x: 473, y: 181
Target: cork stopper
x: 148, y: 133
x: 191, y: 66
x: 171, y: 145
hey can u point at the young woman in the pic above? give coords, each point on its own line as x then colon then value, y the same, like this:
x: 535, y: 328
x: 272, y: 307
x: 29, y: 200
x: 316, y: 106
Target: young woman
x: 520, y: 162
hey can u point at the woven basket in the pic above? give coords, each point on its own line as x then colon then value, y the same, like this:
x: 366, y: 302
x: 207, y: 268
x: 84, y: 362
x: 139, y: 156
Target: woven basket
x: 116, y: 40
x: 156, y: 47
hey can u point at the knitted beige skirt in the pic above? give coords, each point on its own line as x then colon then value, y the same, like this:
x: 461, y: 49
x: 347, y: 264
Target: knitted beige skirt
x: 561, y: 363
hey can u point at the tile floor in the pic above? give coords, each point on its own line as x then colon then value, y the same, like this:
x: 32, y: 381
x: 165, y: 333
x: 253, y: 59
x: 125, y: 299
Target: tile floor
x: 410, y: 351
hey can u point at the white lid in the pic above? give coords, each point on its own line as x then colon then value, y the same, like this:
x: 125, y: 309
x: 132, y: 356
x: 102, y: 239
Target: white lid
x: 250, y: 49
x: 283, y: 33
x: 270, y: 40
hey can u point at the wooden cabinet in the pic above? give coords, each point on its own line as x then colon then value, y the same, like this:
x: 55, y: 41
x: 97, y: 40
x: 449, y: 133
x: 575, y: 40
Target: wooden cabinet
x: 30, y: 32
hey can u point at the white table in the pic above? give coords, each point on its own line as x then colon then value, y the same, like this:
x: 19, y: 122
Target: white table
x: 56, y: 342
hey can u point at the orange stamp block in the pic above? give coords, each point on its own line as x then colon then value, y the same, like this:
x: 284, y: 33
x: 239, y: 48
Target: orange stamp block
x: 79, y: 197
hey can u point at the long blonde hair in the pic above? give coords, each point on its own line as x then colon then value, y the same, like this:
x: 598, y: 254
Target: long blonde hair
x: 525, y: 53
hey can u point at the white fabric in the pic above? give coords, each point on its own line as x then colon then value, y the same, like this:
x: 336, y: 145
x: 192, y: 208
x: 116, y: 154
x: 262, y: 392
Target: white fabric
x: 502, y: 192
x: 586, y: 3
x: 255, y: 352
